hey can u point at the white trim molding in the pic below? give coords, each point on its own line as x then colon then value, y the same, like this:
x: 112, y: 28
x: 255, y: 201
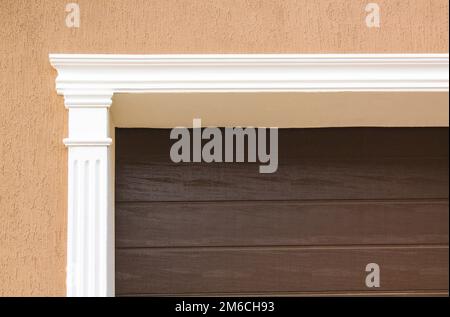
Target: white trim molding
x: 88, y: 83
x: 240, y: 73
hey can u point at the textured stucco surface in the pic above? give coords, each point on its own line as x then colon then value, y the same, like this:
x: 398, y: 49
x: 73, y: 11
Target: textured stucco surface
x: 33, y: 120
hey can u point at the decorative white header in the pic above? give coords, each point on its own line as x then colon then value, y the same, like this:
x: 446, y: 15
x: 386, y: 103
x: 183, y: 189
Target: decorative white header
x: 80, y: 74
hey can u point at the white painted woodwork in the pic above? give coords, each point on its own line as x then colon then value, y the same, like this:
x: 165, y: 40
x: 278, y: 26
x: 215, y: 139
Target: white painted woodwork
x: 88, y: 83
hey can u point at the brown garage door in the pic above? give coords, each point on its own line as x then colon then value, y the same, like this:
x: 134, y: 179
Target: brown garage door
x: 341, y: 198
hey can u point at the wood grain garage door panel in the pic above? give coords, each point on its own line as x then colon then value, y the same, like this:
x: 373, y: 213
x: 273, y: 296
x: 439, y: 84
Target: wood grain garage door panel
x: 341, y: 198
x: 314, y: 164
x: 208, y: 270
x: 315, y: 179
x: 144, y: 145
x: 281, y: 223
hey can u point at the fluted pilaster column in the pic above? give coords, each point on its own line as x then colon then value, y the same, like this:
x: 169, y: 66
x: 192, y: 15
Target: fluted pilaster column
x: 90, y: 245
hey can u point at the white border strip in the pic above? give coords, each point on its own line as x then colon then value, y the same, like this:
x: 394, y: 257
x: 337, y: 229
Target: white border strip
x: 251, y: 72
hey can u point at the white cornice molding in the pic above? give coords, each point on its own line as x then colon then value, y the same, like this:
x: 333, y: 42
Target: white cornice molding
x: 81, y: 74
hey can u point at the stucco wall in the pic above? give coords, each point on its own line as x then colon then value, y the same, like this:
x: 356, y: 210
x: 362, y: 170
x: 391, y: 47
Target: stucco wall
x: 33, y: 119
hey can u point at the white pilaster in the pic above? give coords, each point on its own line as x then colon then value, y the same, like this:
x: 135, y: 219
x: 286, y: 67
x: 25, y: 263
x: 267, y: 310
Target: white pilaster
x: 90, y: 245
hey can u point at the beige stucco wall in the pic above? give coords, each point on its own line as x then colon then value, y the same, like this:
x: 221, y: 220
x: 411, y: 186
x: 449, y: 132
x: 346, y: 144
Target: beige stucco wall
x: 33, y: 119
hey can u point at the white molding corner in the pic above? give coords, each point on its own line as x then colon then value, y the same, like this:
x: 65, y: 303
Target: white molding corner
x: 88, y: 83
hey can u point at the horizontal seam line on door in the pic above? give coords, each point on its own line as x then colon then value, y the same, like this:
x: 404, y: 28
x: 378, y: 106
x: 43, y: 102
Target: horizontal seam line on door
x: 441, y: 200
x: 281, y: 293
x: 294, y: 247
